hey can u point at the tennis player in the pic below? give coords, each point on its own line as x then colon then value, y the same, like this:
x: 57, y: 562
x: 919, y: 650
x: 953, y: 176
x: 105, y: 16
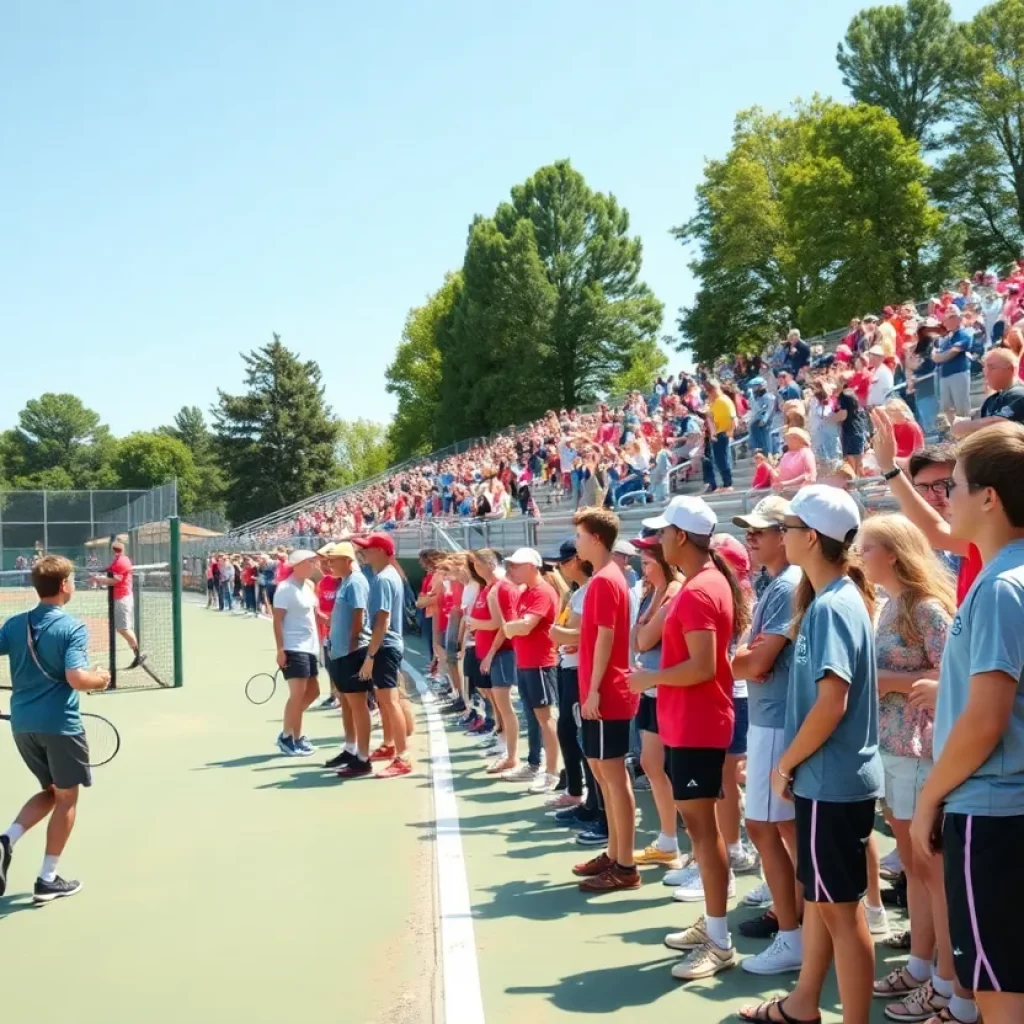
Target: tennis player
x: 49, y: 657
x: 119, y: 576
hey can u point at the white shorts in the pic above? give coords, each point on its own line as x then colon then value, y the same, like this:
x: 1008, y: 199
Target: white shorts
x: 764, y: 748
x: 904, y: 779
x: 124, y: 613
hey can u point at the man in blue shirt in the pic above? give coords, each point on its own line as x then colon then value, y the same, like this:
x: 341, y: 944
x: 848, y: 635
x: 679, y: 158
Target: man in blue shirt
x: 383, y: 661
x: 49, y: 656
x: 975, y: 792
x: 788, y: 389
x: 950, y: 355
x: 762, y: 415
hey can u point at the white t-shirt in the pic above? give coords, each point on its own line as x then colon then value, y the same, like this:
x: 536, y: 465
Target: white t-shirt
x: 298, y: 602
x: 881, y: 385
x: 576, y: 605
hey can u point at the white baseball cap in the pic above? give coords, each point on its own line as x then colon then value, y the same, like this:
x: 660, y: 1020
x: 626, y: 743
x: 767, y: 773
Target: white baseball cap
x: 301, y: 555
x: 623, y: 547
x: 694, y: 515
x: 525, y: 556
x: 828, y: 510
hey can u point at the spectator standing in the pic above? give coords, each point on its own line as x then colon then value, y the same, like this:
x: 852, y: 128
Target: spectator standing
x: 824, y: 430
x: 950, y: 355
x: 798, y: 353
x: 762, y: 415
x: 723, y: 420
x: 788, y: 389
x: 882, y: 380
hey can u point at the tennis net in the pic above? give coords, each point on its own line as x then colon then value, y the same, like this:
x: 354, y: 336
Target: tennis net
x: 153, y: 623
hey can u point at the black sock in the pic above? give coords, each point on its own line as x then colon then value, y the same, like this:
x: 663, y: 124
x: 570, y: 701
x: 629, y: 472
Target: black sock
x: 623, y: 868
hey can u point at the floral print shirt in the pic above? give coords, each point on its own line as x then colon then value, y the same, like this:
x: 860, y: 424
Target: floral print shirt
x: 904, y: 730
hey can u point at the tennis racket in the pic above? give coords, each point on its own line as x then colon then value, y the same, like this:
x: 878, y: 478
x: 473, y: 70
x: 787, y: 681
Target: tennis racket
x: 101, y: 735
x: 261, y: 687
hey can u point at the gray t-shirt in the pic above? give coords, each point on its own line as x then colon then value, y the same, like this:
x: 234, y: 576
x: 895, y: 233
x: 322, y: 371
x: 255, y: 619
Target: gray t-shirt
x: 836, y: 636
x: 773, y: 616
x: 353, y: 594
x: 387, y: 594
x: 987, y: 635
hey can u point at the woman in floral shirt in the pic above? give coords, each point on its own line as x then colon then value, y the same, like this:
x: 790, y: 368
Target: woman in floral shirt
x: 910, y: 635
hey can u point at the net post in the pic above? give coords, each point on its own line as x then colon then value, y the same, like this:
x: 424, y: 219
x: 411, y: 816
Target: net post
x: 175, y: 529
x: 111, y: 638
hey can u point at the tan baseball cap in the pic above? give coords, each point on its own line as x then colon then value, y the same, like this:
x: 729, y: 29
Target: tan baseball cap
x: 767, y: 514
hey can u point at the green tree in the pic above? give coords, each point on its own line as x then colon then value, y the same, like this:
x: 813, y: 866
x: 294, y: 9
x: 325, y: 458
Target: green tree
x: 363, y: 449
x: 190, y: 428
x: 903, y: 58
x: 277, y: 440
x: 647, y: 361
x: 146, y: 460
x: 414, y: 375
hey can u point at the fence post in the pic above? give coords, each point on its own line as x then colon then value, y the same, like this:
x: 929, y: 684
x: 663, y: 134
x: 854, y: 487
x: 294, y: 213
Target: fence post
x: 175, y: 525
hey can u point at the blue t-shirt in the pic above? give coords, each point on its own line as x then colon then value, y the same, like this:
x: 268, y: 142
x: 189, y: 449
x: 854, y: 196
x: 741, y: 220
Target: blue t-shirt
x: 40, y: 703
x: 959, y: 339
x: 836, y: 636
x: 387, y: 594
x: 353, y: 594
x: 267, y: 575
x: 774, y: 616
x: 790, y: 393
x: 987, y: 635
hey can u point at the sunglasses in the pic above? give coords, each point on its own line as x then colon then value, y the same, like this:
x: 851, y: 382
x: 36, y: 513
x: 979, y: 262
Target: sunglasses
x: 786, y: 527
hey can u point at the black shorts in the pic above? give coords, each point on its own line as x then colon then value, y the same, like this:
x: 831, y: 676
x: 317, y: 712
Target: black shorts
x: 211, y: 586
x: 852, y: 445
x: 831, y: 841
x: 470, y: 669
x: 299, y: 665
x: 61, y: 761
x: 385, y: 668
x: 985, y: 901
x: 647, y: 715
x: 271, y: 589
x: 538, y: 687
x: 605, y: 740
x: 696, y: 772
x: 344, y: 672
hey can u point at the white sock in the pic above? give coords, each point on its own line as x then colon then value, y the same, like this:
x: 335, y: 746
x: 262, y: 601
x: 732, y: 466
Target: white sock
x: 351, y: 748
x: 735, y: 849
x: 794, y: 940
x: 963, y: 1009
x: 874, y: 910
x: 919, y: 968
x: 667, y: 844
x: 14, y: 832
x: 48, y: 872
x: 718, y: 931
x: 942, y: 986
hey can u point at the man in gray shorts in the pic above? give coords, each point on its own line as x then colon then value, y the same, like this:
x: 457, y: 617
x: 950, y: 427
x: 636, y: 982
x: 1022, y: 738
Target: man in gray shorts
x: 48, y: 651
x: 119, y: 578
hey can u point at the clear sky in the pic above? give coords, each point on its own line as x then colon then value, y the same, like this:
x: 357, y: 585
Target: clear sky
x: 180, y: 178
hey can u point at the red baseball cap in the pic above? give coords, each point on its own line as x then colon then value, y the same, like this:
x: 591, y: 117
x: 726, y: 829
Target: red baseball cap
x: 380, y: 541
x: 733, y: 552
x: 645, y: 543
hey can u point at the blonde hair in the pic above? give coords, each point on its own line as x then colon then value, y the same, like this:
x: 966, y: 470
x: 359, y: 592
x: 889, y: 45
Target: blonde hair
x: 898, y: 405
x: 919, y: 571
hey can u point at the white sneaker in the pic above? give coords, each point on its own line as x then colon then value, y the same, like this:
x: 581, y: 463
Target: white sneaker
x: 745, y: 861
x: 891, y: 864
x: 878, y: 920
x: 693, y: 890
x: 778, y: 958
x: 759, y: 897
x: 680, y: 876
x: 544, y: 783
x: 522, y: 773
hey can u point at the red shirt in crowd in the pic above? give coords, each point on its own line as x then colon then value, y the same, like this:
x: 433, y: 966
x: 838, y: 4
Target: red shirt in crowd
x: 860, y: 384
x: 607, y: 604
x: 762, y: 478
x: 701, y: 715
x: 507, y: 595
x: 970, y: 566
x: 248, y: 575
x: 536, y: 649
x: 909, y: 439
x: 283, y: 571
x: 326, y: 595
x: 121, y: 571
x: 425, y: 586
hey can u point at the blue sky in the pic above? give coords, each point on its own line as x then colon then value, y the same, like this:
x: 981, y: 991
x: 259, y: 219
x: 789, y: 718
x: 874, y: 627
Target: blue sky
x: 182, y: 178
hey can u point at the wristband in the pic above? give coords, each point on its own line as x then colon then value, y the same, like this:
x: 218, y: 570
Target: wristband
x: 892, y: 474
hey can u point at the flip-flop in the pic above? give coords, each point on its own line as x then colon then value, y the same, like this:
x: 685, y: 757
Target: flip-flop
x: 761, y: 1014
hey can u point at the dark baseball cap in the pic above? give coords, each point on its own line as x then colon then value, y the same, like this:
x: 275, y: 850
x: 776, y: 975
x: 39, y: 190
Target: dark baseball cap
x: 566, y: 553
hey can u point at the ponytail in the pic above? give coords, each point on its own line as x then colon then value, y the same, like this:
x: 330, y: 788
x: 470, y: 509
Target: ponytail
x: 740, y: 600
x: 842, y: 555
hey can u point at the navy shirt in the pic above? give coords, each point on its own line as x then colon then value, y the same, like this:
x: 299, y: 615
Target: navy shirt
x: 774, y: 616
x: 961, y: 340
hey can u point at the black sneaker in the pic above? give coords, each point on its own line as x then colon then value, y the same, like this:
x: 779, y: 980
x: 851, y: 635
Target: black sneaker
x: 355, y: 769
x: 563, y: 782
x: 139, y: 659
x: 575, y: 817
x: 764, y: 927
x: 45, y: 892
x: 340, y: 760
x: 5, y: 862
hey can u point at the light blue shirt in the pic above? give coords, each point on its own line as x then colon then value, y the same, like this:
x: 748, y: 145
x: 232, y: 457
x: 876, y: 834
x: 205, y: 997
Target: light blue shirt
x: 987, y: 635
x: 40, y: 703
x: 353, y: 594
x: 774, y: 616
x: 387, y: 594
x: 836, y: 637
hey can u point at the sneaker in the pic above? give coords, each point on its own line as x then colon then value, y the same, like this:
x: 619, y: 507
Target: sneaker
x: 704, y: 961
x: 764, y: 927
x: 471, y: 723
x: 5, y: 862
x: 693, y: 891
x: 399, y: 766
x: 304, y: 747
x: 896, y: 896
x: 576, y: 817
x: 922, y: 1004
x: 287, y: 746
x: 137, y: 662
x: 499, y: 765
x: 899, y: 940
x: 327, y: 703
x: 615, y: 879
x: 544, y: 783
x: 642, y: 784
x: 758, y: 897
x: 340, y: 760
x: 891, y: 867
x: 521, y: 773
x: 46, y: 892
x: 653, y: 854
x: 689, y: 938
x: 778, y: 958
x: 878, y: 920
x: 681, y: 876
x: 355, y: 769
x: 595, y: 836
x: 383, y: 753
x: 482, y: 728
x: 563, y: 800
x: 744, y: 861
x: 594, y: 867
x: 455, y: 708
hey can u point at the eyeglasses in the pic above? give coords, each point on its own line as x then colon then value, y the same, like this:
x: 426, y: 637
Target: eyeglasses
x: 786, y: 527
x: 940, y: 488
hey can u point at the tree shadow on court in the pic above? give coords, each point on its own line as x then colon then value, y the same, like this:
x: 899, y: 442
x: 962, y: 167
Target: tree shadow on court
x: 538, y: 900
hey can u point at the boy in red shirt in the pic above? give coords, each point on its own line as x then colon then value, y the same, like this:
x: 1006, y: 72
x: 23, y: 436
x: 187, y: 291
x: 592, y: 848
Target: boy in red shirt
x: 607, y: 704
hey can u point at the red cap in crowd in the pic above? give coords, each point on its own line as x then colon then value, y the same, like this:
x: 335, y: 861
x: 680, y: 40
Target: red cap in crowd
x: 380, y: 541
x: 733, y: 552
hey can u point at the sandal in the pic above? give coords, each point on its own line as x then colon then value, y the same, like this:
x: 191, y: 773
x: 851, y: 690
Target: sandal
x: 762, y: 1013
x: 945, y: 1017
x: 923, y: 1004
x: 898, y: 982
x: 901, y: 940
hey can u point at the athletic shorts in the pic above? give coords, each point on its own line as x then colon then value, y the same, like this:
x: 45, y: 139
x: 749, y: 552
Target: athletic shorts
x: 852, y: 444
x: 985, y: 901
x: 764, y: 748
x: 124, y: 612
x: 385, y: 668
x: 695, y: 772
x: 61, y: 761
x: 470, y: 670
x: 647, y: 715
x: 538, y: 687
x: 344, y: 672
x: 738, y: 747
x: 503, y: 669
x: 605, y: 740
x: 271, y: 589
x: 831, y: 839
x: 451, y: 644
x: 904, y: 779
x: 300, y: 665
x: 210, y: 586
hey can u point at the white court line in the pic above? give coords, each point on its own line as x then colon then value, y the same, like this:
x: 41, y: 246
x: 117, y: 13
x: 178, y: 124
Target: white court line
x: 463, y: 1001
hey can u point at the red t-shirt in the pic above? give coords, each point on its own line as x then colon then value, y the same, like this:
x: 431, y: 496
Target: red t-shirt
x: 970, y: 566
x: 282, y: 572
x: 248, y: 575
x: 507, y: 595
x: 701, y: 715
x: 860, y: 384
x: 762, y: 478
x: 428, y: 581
x: 607, y: 604
x: 326, y: 595
x: 909, y: 438
x: 121, y: 567
x: 537, y: 649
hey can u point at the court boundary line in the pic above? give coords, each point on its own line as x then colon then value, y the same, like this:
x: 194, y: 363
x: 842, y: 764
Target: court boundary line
x: 460, y: 971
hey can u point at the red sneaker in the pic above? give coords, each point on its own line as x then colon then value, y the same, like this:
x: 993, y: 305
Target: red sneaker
x: 383, y: 753
x: 597, y: 866
x: 612, y: 880
x: 399, y: 766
